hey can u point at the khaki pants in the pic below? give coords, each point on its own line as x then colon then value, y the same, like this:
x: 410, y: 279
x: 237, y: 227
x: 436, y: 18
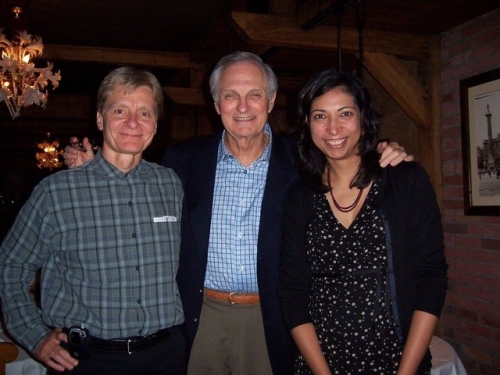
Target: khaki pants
x: 229, y: 341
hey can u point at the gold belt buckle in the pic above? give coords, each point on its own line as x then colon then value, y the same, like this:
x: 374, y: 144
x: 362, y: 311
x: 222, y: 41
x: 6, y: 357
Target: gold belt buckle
x: 230, y: 296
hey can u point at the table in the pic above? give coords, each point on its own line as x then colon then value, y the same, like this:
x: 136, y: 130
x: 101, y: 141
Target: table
x: 24, y: 364
x: 445, y: 360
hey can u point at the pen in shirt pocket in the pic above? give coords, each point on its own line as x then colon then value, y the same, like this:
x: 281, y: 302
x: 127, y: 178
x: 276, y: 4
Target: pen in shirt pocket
x: 165, y: 219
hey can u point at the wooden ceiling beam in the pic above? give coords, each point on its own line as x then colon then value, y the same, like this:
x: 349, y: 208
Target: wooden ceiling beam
x: 220, y: 41
x: 314, y: 12
x: 284, y: 32
x: 401, y: 85
x: 155, y: 59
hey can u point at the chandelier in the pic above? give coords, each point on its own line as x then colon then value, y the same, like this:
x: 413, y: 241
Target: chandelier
x: 49, y: 158
x: 21, y: 84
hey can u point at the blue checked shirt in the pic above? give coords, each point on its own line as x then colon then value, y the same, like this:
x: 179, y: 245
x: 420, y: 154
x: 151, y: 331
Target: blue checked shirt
x: 234, y: 230
x: 108, y: 245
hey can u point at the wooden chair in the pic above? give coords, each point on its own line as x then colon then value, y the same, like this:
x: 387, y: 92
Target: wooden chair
x: 8, y: 353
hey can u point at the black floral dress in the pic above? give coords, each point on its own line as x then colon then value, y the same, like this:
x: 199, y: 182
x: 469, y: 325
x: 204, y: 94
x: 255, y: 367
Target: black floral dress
x: 350, y: 305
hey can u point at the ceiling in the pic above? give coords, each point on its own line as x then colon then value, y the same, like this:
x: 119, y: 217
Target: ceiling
x: 81, y: 35
x: 195, y: 27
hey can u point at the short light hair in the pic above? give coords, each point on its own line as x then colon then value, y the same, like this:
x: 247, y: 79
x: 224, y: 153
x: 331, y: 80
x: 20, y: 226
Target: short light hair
x: 130, y: 78
x: 236, y: 58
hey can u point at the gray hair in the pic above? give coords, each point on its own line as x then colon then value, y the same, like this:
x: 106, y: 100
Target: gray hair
x: 130, y: 78
x: 238, y: 57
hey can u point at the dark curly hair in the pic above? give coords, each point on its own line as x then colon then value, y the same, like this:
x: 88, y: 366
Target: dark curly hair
x: 309, y: 160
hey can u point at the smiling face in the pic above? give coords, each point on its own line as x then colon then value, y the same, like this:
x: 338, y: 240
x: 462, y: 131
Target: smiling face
x: 243, y: 101
x: 335, y: 124
x: 128, y: 122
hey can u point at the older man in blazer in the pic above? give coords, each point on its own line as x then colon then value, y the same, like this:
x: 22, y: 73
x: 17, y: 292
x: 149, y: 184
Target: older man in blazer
x: 230, y: 300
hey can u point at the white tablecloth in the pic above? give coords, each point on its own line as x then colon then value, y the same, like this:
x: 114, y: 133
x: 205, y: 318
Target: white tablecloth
x: 445, y: 360
x: 24, y: 364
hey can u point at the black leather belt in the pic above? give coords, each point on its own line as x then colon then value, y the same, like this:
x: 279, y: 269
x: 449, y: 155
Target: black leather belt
x: 130, y: 344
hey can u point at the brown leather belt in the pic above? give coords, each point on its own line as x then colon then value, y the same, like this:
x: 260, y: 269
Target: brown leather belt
x: 234, y: 298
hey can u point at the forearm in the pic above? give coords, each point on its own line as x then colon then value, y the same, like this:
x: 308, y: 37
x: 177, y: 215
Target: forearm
x: 417, y: 343
x: 21, y: 255
x: 25, y: 324
x: 307, y: 342
x: 22, y: 317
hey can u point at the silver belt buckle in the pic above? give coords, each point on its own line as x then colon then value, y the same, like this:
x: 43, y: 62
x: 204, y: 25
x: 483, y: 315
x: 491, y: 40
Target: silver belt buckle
x: 128, y: 347
x: 230, y: 296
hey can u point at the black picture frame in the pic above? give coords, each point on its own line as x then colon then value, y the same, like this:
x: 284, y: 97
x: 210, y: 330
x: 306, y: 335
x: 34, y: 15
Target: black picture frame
x: 480, y: 118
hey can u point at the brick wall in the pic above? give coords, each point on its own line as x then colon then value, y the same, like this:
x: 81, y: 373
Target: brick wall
x: 471, y: 317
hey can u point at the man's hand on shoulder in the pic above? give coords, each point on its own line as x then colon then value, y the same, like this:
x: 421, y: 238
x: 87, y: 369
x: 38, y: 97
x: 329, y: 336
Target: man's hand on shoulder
x: 392, y: 154
x: 78, y: 153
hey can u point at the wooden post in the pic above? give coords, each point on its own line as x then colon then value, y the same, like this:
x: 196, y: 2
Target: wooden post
x: 430, y: 139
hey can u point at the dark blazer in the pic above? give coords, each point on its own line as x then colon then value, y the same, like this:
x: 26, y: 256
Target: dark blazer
x: 194, y: 160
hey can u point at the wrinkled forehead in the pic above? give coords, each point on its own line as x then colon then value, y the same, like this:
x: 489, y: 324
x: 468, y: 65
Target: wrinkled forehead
x: 243, y: 74
x: 143, y: 93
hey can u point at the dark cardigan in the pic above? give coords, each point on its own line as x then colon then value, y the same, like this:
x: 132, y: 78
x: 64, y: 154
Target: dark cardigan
x: 414, y: 237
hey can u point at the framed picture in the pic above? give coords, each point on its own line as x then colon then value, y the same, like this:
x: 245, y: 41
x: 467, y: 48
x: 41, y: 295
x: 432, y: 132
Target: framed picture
x: 480, y: 113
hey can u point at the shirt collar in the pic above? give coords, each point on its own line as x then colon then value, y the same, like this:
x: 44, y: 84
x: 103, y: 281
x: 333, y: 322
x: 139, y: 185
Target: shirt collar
x: 108, y: 170
x: 223, y: 153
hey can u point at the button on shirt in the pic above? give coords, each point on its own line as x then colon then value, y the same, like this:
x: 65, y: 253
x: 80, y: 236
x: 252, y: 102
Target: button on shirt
x: 234, y: 230
x: 108, y: 244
